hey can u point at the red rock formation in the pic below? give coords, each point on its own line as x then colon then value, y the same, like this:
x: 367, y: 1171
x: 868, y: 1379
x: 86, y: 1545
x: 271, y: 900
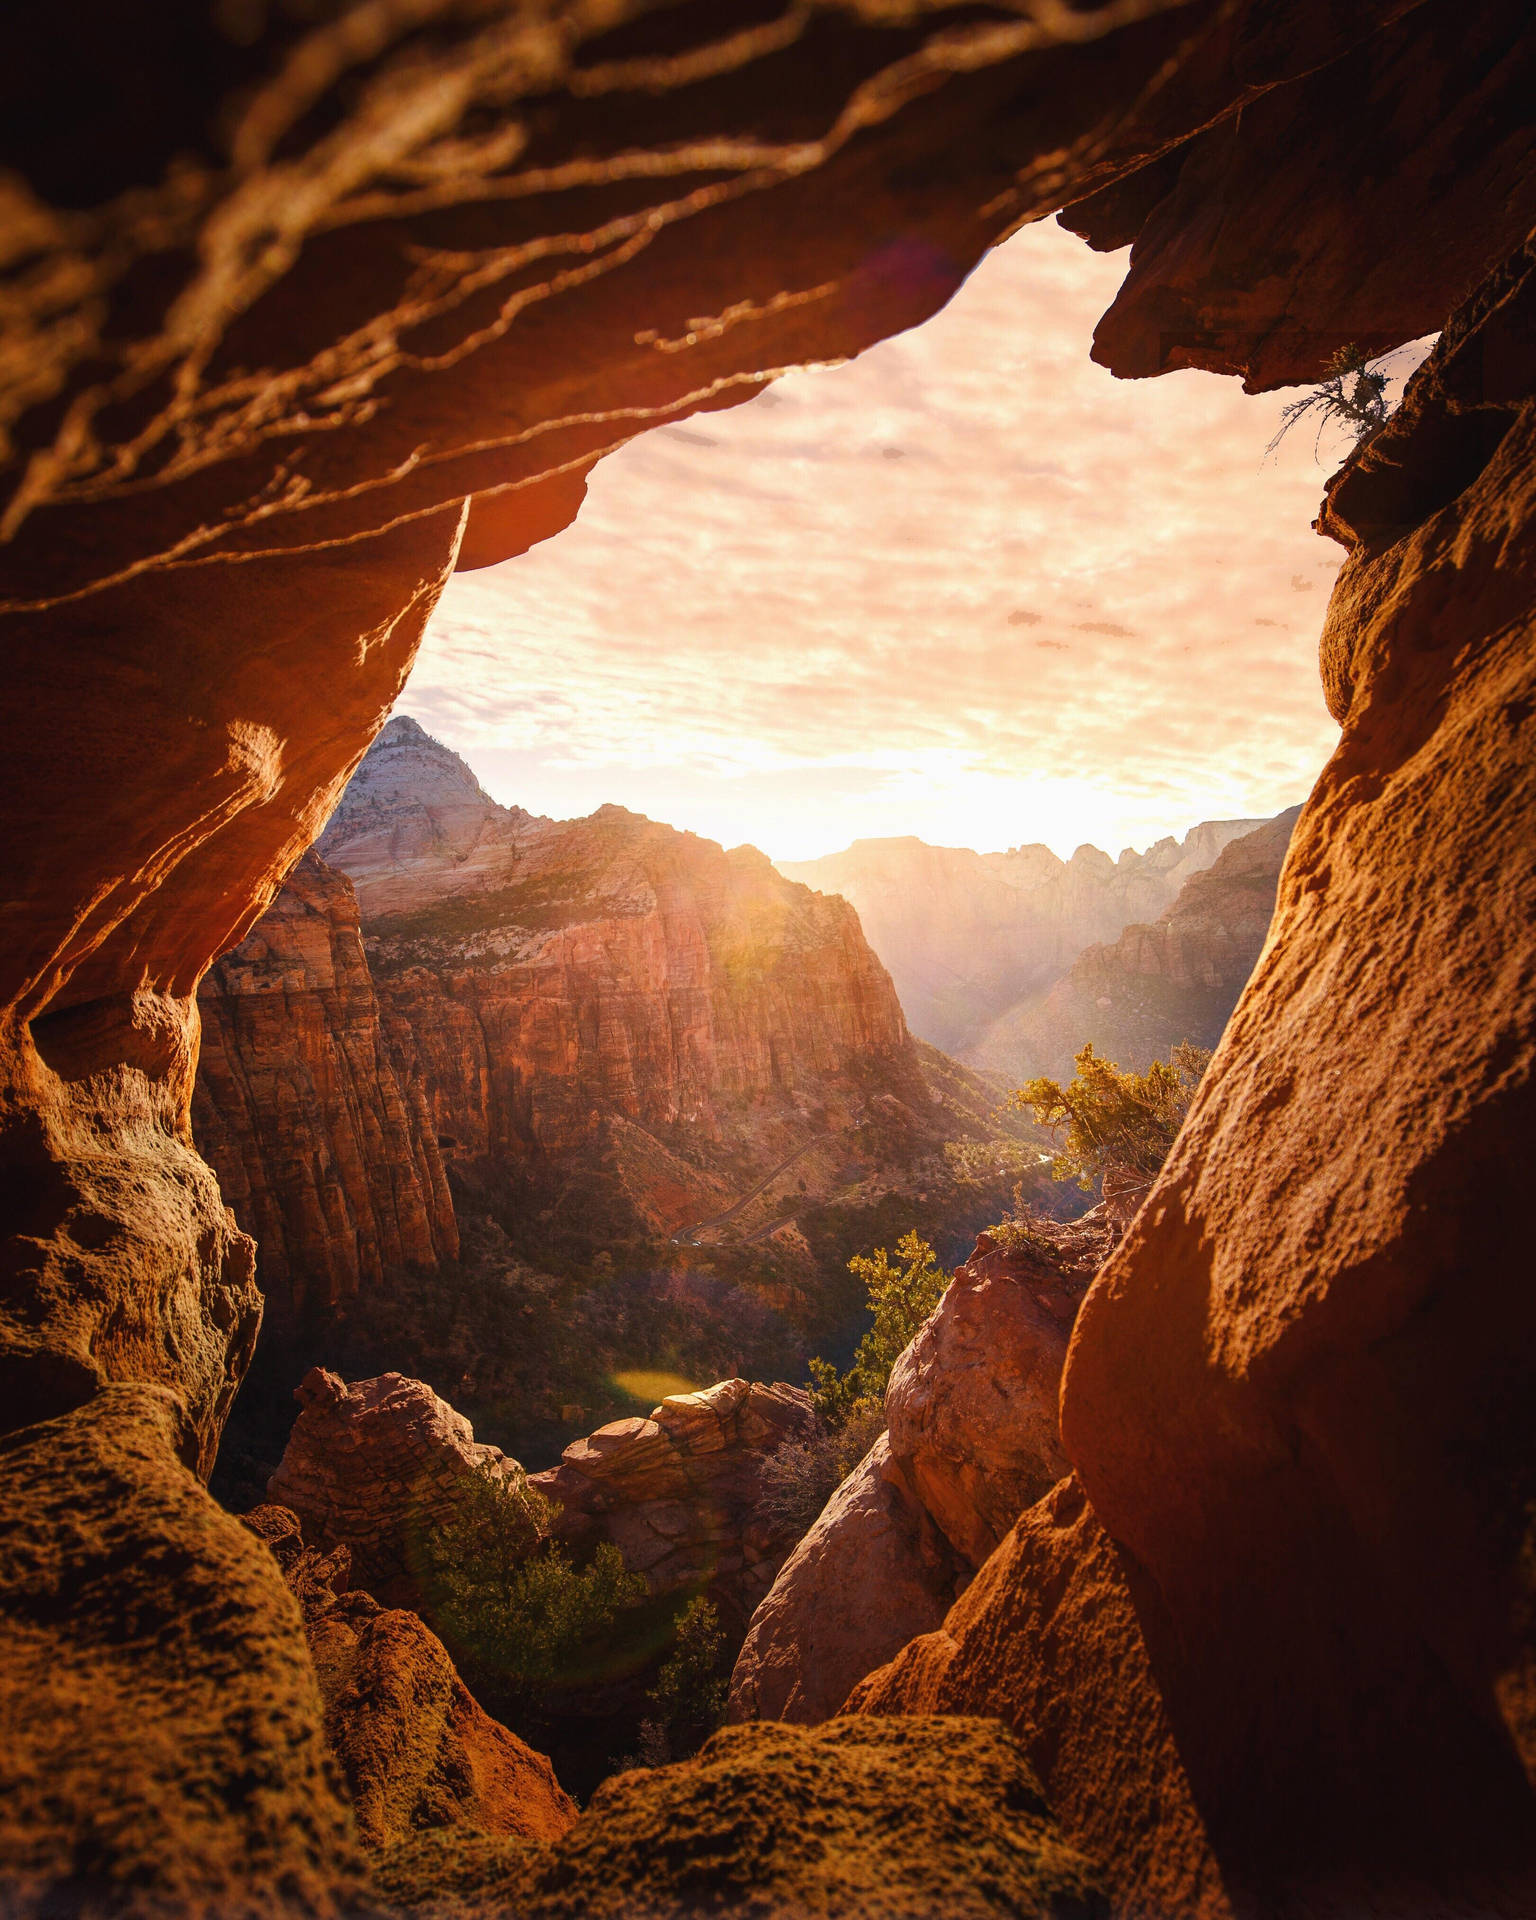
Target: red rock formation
x: 373, y: 1465
x: 543, y: 978
x: 678, y: 1493
x: 415, y: 1747
x: 280, y: 300
x: 971, y: 1441
x: 328, y: 1160
x: 1178, y: 979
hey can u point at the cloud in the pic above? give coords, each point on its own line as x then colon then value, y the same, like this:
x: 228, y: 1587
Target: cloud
x: 805, y: 625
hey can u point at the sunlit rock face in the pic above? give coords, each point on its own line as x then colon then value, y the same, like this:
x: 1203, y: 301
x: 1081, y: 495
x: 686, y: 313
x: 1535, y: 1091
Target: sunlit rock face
x: 971, y: 1440
x: 1299, y: 1396
x: 282, y: 300
x: 604, y: 969
x: 967, y: 935
x: 679, y: 1494
x: 1137, y: 997
x: 327, y: 1157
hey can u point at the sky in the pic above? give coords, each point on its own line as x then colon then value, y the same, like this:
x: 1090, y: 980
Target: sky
x: 967, y: 586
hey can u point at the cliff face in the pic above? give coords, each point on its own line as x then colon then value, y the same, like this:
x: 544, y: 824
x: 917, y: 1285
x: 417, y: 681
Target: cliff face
x: 597, y: 977
x: 966, y: 935
x: 1177, y: 979
x: 327, y: 1156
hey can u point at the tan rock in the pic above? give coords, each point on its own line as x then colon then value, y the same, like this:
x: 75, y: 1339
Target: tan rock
x: 972, y: 1440
x: 416, y: 1748
x: 972, y: 1403
x: 678, y: 1493
x: 871, y: 1574
x: 371, y: 1466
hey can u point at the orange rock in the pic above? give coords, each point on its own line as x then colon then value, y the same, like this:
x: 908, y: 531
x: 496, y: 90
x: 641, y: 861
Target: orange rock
x: 328, y: 1160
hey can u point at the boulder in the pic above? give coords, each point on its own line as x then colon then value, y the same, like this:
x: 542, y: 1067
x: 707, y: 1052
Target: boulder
x: 972, y: 1440
x: 871, y: 1574
x: 677, y: 1493
x: 417, y: 1750
x: 371, y: 1466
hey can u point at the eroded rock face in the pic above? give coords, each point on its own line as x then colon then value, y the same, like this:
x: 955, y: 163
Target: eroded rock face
x: 677, y: 1494
x: 328, y: 1160
x: 596, y: 975
x: 1137, y: 997
x: 371, y: 1466
x: 971, y: 1441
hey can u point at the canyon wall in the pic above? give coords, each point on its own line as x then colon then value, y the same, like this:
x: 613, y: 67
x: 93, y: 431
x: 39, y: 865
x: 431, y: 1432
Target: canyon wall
x: 610, y: 969
x: 1178, y: 979
x: 328, y: 1158
x: 301, y: 311
x: 968, y: 935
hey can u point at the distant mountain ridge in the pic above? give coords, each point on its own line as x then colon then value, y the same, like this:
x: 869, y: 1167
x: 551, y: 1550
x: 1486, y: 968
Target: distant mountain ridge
x: 967, y: 936
x: 1177, y: 978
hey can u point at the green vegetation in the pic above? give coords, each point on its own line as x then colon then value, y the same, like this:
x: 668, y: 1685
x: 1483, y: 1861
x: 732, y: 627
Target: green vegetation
x: 1115, y: 1129
x: 1353, y: 395
x: 900, y: 1295
x: 688, y: 1699
x: 518, y: 1617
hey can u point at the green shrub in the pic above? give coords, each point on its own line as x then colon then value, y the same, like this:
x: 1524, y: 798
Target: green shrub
x: 688, y: 1699
x: 1115, y: 1126
x: 517, y: 1615
x: 900, y: 1295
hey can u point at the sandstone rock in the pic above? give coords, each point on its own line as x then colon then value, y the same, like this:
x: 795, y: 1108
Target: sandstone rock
x: 371, y: 1466
x: 677, y: 1493
x: 972, y: 1440
x: 864, y: 1819
x: 328, y: 1160
x: 1049, y: 1638
x: 417, y: 1750
x: 872, y: 1574
x: 972, y: 1403
x: 1154, y: 986
x: 966, y: 935
x: 150, y: 1658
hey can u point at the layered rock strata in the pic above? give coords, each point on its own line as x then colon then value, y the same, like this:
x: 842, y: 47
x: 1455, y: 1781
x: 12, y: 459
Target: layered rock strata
x: 967, y: 935
x: 1178, y: 979
x: 283, y: 295
x: 971, y: 1440
x: 678, y: 1494
x: 327, y: 1157
x: 416, y: 1749
x: 374, y: 1466
x: 619, y: 971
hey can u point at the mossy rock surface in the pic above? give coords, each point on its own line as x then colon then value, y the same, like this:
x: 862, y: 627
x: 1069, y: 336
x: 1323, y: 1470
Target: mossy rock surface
x: 861, y: 1819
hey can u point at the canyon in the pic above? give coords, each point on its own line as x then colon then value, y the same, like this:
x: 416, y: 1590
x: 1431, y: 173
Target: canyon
x: 307, y: 313
x: 967, y: 936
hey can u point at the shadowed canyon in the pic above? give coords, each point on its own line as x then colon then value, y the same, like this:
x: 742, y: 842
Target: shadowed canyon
x: 364, y: 1142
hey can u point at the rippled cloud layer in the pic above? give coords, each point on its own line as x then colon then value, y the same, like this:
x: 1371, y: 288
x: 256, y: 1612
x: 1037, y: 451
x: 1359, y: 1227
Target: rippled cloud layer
x: 968, y: 586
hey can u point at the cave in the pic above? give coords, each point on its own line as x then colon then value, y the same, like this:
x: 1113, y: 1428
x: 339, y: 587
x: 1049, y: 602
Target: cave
x: 308, y: 306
